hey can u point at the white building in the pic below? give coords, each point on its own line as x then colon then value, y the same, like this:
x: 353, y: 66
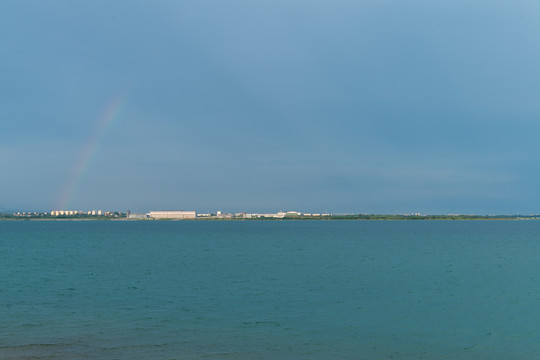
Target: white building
x: 277, y: 216
x: 293, y: 213
x: 175, y: 214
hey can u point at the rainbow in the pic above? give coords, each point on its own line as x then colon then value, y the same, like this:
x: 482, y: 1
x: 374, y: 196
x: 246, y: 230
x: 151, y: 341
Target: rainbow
x: 104, y: 123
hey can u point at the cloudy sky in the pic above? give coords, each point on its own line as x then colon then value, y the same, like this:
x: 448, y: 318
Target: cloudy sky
x: 365, y: 106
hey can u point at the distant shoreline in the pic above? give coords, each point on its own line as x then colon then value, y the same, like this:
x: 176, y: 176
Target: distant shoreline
x: 298, y: 218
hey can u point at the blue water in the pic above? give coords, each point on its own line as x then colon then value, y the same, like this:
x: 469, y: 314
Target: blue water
x: 269, y: 290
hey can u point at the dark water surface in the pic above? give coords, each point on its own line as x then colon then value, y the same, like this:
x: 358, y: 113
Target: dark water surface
x: 269, y: 290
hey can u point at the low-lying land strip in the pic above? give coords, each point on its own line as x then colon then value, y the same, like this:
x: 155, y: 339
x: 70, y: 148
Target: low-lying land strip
x: 5, y: 216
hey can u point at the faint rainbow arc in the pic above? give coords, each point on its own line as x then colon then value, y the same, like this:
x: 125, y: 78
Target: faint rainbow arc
x: 104, y: 123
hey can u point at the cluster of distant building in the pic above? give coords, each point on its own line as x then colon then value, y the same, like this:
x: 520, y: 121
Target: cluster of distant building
x: 181, y: 214
x: 172, y: 214
x: 75, y: 212
x: 166, y: 214
x: 56, y: 213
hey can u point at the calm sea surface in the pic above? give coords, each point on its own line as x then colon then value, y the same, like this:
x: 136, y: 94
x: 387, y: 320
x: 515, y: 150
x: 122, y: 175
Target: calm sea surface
x: 269, y: 290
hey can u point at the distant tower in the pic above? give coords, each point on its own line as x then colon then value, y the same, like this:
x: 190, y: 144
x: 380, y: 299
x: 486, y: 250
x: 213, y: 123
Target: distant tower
x: 128, y: 212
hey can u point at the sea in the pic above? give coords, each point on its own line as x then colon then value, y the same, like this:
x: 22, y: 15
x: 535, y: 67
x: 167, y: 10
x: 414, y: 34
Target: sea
x: 217, y: 290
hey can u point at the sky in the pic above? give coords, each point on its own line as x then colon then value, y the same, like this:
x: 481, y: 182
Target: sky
x: 365, y: 106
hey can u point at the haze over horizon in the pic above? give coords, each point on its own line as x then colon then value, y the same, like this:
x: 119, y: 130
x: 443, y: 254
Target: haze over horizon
x: 342, y: 107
